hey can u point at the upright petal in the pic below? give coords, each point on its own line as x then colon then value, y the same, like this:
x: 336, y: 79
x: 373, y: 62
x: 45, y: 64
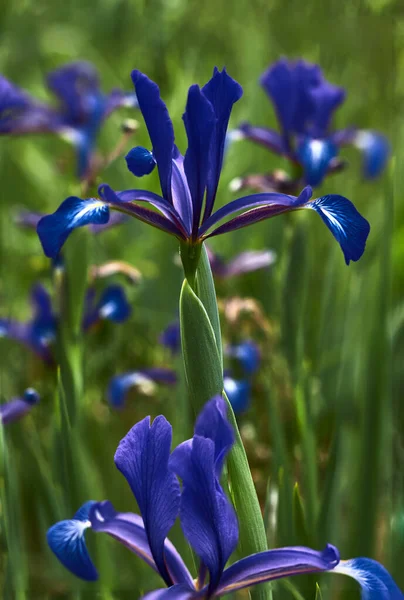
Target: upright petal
x: 77, y: 86
x: 129, y: 529
x: 275, y: 564
x: 326, y: 98
x: 142, y: 457
x: 44, y: 321
x: 53, y: 230
x: 347, y: 225
x: 171, y: 337
x: 120, y: 384
x: 181, y: 195
x: 18, y: 407
x: 207, y: 518
x: 199, y: 119
x: 375, y: 150
x: 315, y: 156
x: 222, y: 92
x: 375, y: 581
x: 67, y: 542
x: 279, y: 83
x: 212, y: 423
x: 159, y: 126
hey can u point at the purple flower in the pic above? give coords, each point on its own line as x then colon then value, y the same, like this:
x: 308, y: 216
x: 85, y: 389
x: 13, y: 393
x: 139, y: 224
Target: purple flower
x: 39, y: 332
x: 207, y: 517
x: 82, y: 108
x: 189, y: 183
x: 245, y: 262
x: 304, y: 103
x: 18, y: 407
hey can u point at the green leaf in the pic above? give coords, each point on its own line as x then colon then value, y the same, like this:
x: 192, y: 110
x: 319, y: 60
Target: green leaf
x: 301, y: 533
x: 319, y: 595
x: 203, y: 370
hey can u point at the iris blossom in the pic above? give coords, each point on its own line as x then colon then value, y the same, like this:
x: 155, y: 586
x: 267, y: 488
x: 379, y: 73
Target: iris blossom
x: 82, y: 109
x: 144, y: 379
x: 207, y: 517
x: 39, y: 332
x: 304, y: 103
x: 245, y: 262
x: 18, y: 407
x: 189, y: 183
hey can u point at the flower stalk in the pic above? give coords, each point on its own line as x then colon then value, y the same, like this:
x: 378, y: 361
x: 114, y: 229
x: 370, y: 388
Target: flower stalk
x: 203, y: 360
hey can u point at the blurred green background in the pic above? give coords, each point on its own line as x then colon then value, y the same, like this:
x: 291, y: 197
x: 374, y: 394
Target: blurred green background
x: 326, y: 410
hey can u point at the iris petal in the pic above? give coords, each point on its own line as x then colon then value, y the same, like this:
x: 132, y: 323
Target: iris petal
x: 53, y: 230
x: 251, y: 260
x: 120, y: 384
x: 199, y: 119
x: 261, y: 135
x: 346, y: 224
x: 142, y: 457
x: 159, y: 126
x: 176, y: 592
x: 376, y: 151
x: 18, y: 407
x: 140, y: 161
x: 315, y: 156
x: 248, y: 354
x: 238, y: 393
x: 66, y: 540
x: 222, y: 91
x: 375, y: 581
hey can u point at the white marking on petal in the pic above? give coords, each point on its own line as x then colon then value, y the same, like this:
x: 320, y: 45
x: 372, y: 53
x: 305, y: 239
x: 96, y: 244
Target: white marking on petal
x: 89, y: 206
x: 363, y: 139
x: 235, y: 184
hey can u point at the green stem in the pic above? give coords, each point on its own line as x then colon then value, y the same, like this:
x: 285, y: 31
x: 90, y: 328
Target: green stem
x: 202, y: 352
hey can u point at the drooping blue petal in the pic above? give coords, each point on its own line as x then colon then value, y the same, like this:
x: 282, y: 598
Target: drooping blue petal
x: 375, y: 150
x: 347, y: 225
x: 140, y: 161
x: 112, y: 306
x: 268, y: 138
x: 18, y: 407
x: 375, y: 581
x: 44, y: 321
x: 77, y: 86
x: 207, y: 518
x: 238, y: 393
x: 199, y: 119
x: 28, y: 335
x: 315, y: 156
x: 171, y: 337
x: 222, y: 91
x: 248, y: 354
x: 129, y: 529
x: 120, y: 384
x: 19, y: 113
x: 67, y: 542
x: 159, y: 126
x: 275, y: 564
x: 142, y: 457
x: 53, y: 230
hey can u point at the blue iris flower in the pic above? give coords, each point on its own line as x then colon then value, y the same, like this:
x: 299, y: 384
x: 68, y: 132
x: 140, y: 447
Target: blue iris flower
x: 120, y: 385
x: 39, y: 332
x: 18, y: 407
x: 304, y: 102
x: 82, y: 109
x: 208, y: 520
x: 189, y: 183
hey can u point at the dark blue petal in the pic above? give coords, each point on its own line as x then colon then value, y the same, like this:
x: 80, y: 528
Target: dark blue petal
x: 129, y: 529
x: 114, y: 305
x: 238, y: 393
x: 142, y: 456
x: 261, y: 135
x: 53, y: 230
x: 120, y: 384
x: 27, y: 334
x: 182, y: 200
x: 279, y: 83
x: 375, y: 581
x: 19, y: 113
x: 375, y: 149
x: 315, y: 156
x: 44, y: 321
x: 275, y: 564
x: 346, y: 224
x: 77, y: 86
x: 222, y: 92
x: 212, y: 423
x: 207, y: 518
x: 326, y: 98
x: 159, y: 126
x: 140, y: 161
x: 171, y: 337
x: 248, y: 354
x: 18, y: 407
x: 199, y: 119
x: 66, y: 540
